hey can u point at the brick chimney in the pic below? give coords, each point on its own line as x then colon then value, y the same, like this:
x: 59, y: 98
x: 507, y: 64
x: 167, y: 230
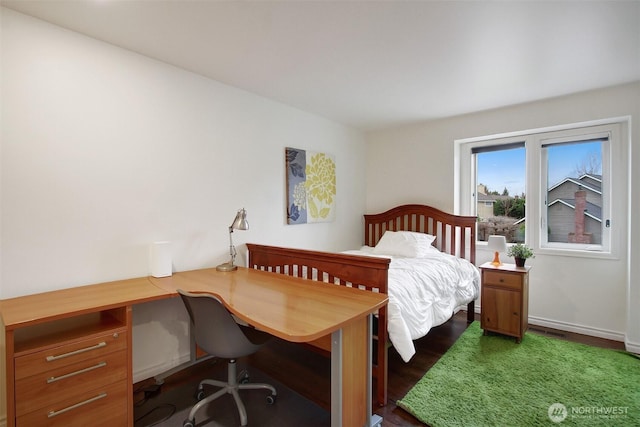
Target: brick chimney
x: 579, y: 236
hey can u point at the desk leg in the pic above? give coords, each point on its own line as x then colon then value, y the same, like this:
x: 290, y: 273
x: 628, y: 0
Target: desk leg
x: 351, y: 388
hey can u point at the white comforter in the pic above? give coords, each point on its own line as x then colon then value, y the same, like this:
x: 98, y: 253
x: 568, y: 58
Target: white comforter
x: 423, y: 293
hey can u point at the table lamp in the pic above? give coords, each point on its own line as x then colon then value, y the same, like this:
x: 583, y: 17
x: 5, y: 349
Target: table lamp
x: 239, y: 223
x: 497, y: 244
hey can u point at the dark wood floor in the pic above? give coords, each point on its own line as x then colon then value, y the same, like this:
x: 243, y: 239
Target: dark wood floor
x: 308, y: 373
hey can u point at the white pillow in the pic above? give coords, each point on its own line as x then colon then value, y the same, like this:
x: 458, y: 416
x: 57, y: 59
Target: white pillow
x: 405, y: 243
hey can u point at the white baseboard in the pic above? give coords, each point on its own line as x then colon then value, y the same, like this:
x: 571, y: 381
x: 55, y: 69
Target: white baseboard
x: 578, y: 329
x: 632, y: 347
x: 629, y: 346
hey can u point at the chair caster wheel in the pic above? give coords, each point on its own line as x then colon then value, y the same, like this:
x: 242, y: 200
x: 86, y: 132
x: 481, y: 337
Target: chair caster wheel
x: 189, y: 423
x: 199, y: 395
x: 244, y: 377
x: 271, y: 399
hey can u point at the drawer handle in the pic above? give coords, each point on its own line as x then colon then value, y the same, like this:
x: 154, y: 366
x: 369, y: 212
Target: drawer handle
x: 77, y: 405
x: 73, y: 353
x: 72, y: 374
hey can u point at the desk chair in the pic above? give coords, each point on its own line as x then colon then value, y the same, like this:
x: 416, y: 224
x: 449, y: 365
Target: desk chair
x: 217, y: 333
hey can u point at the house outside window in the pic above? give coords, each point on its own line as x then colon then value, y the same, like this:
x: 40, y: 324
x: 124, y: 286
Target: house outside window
x: 577, y: 213
x: 574, y: 210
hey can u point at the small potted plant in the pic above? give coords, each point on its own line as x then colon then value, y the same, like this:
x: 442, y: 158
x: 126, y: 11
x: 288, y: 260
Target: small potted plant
x: 520, y: 252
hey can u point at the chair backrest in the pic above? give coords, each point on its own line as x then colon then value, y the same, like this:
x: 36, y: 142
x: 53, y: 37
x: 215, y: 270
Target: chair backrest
x: 215, y: 329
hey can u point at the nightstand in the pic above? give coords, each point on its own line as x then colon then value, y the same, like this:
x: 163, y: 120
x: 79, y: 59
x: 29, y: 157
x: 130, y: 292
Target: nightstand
x: 505, y: 299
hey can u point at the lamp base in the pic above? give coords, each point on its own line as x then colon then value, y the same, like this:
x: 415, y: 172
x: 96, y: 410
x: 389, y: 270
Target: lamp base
x: 496, y: 260
x: 227, y: 266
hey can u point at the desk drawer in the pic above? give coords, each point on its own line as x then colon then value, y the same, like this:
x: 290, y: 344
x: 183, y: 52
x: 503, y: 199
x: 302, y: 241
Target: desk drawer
x: 47, y: 388
x: 503, y: 280
x: 104, y: 406
x: 67, y: 354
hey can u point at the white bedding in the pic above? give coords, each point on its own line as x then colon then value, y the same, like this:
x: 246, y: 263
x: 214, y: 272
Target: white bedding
x: 423, y: 293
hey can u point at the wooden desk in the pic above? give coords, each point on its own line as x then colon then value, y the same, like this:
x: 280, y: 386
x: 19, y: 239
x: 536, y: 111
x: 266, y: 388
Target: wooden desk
x: 301, y: 310
x: 73, y: 319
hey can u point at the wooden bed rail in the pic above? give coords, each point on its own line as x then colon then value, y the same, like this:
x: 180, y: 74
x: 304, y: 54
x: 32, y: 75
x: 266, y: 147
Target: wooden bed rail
x: 343, y: 269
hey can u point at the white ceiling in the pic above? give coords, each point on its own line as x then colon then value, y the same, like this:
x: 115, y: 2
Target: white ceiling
x: 375, y: 64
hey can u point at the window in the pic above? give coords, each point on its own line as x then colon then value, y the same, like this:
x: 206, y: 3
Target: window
x: 550, y: 188
x: 575, y: 213
x: 500, y: 190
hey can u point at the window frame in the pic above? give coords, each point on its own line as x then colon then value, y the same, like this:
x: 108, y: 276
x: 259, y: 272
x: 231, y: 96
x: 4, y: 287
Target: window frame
x: 465, y: 171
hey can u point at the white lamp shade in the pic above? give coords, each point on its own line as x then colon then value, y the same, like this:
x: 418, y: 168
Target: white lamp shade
x: 497, y: 243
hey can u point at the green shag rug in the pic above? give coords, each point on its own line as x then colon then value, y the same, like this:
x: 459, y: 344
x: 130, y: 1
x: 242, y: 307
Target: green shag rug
x: 492, y: 381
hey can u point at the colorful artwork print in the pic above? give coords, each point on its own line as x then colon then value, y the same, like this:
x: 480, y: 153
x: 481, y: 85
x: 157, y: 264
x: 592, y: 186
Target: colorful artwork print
x: 311, y: 186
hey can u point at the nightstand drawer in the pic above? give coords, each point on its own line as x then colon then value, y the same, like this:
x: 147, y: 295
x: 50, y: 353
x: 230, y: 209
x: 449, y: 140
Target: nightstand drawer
x: 504, y: 280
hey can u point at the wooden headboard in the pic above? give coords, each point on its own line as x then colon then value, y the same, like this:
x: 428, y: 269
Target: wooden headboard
x: 455, y: 234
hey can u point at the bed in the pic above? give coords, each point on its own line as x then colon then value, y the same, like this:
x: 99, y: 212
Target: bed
x: 452, y: 240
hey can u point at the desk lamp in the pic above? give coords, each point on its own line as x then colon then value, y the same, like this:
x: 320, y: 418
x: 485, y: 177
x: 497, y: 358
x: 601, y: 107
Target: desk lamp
x: 239, y: 223
x: 497, y: 244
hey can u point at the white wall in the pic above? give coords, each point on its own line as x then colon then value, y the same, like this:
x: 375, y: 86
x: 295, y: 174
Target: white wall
x: 105, y: 151
x: 415, y: 164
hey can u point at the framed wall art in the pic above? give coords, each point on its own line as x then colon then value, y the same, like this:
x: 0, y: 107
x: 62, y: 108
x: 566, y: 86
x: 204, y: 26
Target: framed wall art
x: 311, y: 186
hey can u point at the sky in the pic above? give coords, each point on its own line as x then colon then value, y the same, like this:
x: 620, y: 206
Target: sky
x: 506, y: 168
